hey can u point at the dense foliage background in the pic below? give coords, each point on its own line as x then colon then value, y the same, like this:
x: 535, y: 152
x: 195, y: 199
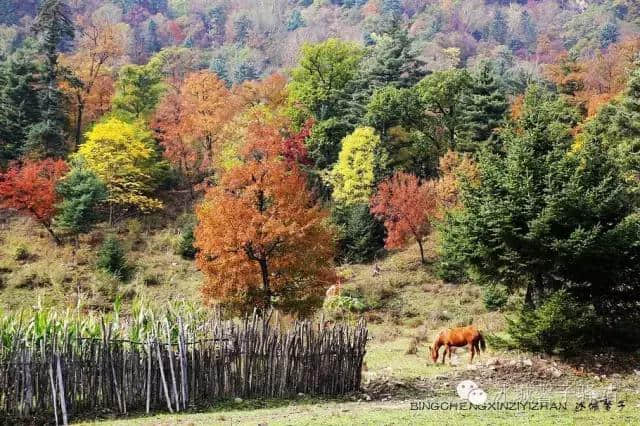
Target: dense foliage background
x: 294, y: 135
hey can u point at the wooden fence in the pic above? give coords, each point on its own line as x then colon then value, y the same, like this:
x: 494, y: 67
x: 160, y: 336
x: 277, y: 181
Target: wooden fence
x: 177, y: 368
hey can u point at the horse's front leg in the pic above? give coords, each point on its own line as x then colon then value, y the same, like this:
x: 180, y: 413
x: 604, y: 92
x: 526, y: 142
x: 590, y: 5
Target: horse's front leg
x: 444, y: 354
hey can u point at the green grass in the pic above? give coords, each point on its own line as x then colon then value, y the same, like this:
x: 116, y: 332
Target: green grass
x: 315, y: 412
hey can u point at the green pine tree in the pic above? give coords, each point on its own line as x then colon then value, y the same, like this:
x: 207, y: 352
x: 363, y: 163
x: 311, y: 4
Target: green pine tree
x: 219, y: 66
x: 609, y: 34
x: 485, y: 108
x: 528, y: 30
x: 19, y: 103
x: 81, y: 192
x: 111, y: 258
x: 617, y: 125
x: 54, y: 27
x: 295, y: 21
x: 550, y: 214
x: 187, y: 239
x: 390, y: 61
x: 245, y: 71
x: 498, y: 27
x: 361, y: 236
x: 152, y: 43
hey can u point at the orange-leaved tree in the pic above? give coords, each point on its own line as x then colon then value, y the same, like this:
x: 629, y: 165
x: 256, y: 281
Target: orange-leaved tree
x: 30, y: 189
x: 102, y: 40
x: 407, y: 206
x: 207, y: 107
x: 189, y: 123
x: 455, y: 169
x: 263, y: 240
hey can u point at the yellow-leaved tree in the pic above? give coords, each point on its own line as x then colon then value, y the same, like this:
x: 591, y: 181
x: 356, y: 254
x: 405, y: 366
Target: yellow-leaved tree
x: 353, y: 176
x: 124, y: 156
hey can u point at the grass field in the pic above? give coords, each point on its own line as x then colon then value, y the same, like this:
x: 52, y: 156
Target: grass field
x: 384, y: 413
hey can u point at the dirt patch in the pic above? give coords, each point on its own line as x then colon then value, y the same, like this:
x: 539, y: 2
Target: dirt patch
x: 504, y: 371
x: 386, y: 389
x: 607, y: 364
x: 497, y: 372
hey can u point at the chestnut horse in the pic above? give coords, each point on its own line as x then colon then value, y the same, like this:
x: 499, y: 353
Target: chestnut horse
x: 458, y: 337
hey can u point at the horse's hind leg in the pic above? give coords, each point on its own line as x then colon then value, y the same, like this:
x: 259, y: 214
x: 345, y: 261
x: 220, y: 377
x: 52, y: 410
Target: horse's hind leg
x: 477, y: 346
x: 471, y: 352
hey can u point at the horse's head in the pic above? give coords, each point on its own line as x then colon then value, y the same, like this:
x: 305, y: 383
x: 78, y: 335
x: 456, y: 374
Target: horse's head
x: 434, y: 353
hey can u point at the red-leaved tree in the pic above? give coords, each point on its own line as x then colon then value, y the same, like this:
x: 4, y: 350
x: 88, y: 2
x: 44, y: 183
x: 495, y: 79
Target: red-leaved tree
x: 407, y: 205
x: 294, y: 149
x: 30, y: 189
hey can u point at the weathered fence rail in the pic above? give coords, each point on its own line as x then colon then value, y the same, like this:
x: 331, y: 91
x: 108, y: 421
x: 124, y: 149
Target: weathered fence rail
x: 176, y: 368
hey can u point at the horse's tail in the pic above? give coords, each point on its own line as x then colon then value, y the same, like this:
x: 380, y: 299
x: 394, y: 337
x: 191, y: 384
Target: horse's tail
x: 483, y: 345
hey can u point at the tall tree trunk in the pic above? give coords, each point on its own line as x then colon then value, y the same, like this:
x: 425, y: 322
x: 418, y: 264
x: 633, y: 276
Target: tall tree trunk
x: 534, y: 291
x: 55, y: 237
x: 265, y: 282
x: 528, y: 298
x: 79, y: 123
x: 421, y: 251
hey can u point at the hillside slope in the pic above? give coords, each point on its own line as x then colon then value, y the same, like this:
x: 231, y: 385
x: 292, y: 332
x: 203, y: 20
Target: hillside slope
x: 34, y: 271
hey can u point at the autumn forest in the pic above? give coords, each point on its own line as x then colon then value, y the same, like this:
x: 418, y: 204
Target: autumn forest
x: 273, y: 147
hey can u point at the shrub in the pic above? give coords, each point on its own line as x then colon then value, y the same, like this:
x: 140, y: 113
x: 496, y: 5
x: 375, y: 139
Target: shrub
x: 560, y: 324
x: 413, y: 347
x: 31, y: 280
x: 421, y: 334
x: 495, y: 297
x: 21, y: 253
x: 344, y: 304
x: 134, y: 230
x: 111, y: 258
x: 185, y: 244
x: 152, y: 279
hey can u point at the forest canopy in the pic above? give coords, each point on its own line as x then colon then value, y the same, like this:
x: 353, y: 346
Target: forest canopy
x: 297, y: 135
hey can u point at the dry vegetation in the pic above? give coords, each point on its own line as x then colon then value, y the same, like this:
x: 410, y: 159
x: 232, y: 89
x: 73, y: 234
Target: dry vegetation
x: 33, y: 270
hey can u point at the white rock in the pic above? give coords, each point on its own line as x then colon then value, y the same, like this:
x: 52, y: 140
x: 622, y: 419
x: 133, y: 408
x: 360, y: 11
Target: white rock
x: 527, y: 362
x: 238, y: 400
x: 556, y: 373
